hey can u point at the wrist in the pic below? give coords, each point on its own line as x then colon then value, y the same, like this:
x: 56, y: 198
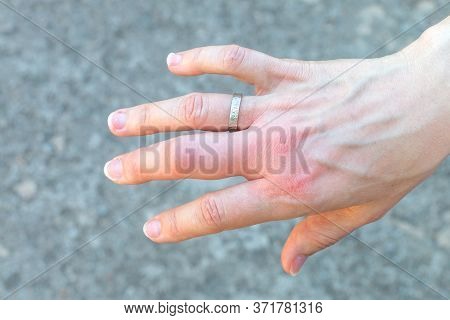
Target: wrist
x: 441, y: 48
x: 428, y: 58
x: 432, y: 48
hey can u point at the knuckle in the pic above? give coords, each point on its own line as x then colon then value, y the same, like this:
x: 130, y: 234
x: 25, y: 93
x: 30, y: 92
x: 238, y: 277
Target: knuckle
x: 146, y: 114
x: 294, y: 70
x: 198, y: 56
x: 319, y: 235
x: 287, y: 102
x: 211, y: 212
x: 283, y: 142
x: 146, y: 119
x: 300, y: 192
x: 194, y: 109
x: 234, y: 56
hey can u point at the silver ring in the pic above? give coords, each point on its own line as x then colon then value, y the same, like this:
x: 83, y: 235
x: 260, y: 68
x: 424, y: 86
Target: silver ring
x: 234, y: 111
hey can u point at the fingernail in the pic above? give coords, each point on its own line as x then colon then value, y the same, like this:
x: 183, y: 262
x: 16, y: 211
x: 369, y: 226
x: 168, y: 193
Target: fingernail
x: 113, y: 169
x: 117, y: 120
x: 296, y: 264
x: 152, y: 229
x: 173, y: 59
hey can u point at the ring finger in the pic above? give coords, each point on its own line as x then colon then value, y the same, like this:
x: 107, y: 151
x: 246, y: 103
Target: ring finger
x: 195, y: 111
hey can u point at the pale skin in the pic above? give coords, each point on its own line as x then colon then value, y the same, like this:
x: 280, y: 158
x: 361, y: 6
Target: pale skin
x: 374, y: 132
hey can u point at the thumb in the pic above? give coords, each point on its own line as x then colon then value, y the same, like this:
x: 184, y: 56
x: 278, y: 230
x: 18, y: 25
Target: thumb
x: 319, y: 231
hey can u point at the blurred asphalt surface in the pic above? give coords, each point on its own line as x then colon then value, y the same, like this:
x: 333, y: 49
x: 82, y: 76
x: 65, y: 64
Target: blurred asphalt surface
x: 54, y: 143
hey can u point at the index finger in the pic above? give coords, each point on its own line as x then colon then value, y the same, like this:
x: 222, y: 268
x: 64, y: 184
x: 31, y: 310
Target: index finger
x: 244, y: 64
x: 238, y: 206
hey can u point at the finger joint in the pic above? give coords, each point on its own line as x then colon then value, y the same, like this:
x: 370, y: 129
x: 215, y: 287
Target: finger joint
x: 173, y: 223
x: 234, y: 57
x: 211, y: 212
x: 320, y: 234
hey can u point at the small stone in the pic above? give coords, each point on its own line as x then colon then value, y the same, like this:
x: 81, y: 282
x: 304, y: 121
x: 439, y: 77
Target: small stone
x: 6, y: 26
x: 425, y: 7
x: 26, y: 189
x: 409, y: 229
x: 59, y: 143
x: 443, y: 238
x: 4, y: 252
x: 369, y: 17
x: 253, y: 241
x: 446, y: 216
x: 3, y: 123
x: 373, y: 12
x: 20, y: 161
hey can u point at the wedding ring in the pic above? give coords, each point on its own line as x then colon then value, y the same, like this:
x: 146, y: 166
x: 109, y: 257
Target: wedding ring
x: 234, y: 111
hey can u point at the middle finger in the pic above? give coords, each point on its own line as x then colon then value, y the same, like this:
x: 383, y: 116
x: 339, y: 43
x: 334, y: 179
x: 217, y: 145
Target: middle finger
x: 209, y: 155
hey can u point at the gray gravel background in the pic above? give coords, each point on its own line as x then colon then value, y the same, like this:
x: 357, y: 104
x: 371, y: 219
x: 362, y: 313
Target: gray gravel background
x: 54, y: 143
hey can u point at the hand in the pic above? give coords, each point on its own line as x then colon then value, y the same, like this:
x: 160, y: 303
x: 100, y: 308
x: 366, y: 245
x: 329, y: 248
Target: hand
x: 339, y: 142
